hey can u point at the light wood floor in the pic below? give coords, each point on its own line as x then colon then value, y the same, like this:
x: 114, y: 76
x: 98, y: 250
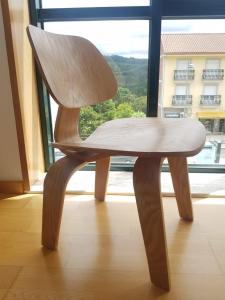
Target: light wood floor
x: 101, y: 253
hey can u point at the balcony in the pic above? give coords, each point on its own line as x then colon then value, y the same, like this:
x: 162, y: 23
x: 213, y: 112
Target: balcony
x: 184, y: 74
x: 210, y: 100
x: 213, y: 74
x: 182, y: 100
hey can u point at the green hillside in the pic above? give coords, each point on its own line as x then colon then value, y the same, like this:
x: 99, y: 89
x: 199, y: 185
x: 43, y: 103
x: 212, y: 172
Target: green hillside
x: 130, y: 73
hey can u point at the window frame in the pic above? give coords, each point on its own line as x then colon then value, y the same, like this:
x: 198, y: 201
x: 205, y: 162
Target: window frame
x: 188, y: 60
x: 212, y: 59
x: 187, y: 89
x: 205, y: 85
x: 157, y: 11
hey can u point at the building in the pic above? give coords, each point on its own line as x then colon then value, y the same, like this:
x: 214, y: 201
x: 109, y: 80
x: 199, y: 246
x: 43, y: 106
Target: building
x: 192, y: 78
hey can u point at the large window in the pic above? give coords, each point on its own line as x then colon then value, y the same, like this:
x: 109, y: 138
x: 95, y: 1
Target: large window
x: 155, y: 78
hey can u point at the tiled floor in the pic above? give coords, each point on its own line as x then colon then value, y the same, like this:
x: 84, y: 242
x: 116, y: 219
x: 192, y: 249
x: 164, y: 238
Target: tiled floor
x: 101, y: 253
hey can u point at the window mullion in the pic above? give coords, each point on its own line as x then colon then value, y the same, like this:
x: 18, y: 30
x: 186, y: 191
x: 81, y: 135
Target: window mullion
x: 154, y: 58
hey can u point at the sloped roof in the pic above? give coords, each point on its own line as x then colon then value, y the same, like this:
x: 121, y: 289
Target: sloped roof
x: 193, y: 43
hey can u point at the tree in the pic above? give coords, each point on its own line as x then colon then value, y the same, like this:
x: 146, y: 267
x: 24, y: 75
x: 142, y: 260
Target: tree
x: 140, y: 104
x: 138, y: 114
x: 89, y: 121
x: 124, y: 110
x: 124, y: 105
x: 106, y: 110
x: 124, y: 95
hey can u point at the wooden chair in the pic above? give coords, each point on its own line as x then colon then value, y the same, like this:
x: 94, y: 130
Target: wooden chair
x: 76, y: 75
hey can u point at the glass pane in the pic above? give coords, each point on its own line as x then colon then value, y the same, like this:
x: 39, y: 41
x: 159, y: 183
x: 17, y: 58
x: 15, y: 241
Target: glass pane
x: 125, y: 46
x: 212, y: 64
x: 92, y: 3
x: 210, y: 90
x: 201, y: 43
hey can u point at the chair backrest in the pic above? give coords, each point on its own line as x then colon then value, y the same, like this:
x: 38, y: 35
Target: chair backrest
x: 75, y: 72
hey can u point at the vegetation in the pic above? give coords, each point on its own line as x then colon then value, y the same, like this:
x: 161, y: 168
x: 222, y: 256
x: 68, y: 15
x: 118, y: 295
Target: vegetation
x: 130, y: 100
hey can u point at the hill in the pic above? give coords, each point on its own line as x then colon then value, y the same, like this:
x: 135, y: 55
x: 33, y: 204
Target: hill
x: 130, y: 73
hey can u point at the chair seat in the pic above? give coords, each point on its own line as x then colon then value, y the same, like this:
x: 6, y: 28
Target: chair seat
x: 143, y: 137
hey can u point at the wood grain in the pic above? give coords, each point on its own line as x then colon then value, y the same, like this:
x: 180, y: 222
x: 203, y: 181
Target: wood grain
x: 67, y: 125
x: 144, y: 137
x: 148, y: 196
x: 101, y: 177
x: 104, y: 258
x: 24, y: 89
x: 179, y: 172
x: 54, y: 191
x: 86, y: 76
x: 15, y: 91
x: 12, y: 187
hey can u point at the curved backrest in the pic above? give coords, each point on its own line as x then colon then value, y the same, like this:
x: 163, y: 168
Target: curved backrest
x: 75, y: 72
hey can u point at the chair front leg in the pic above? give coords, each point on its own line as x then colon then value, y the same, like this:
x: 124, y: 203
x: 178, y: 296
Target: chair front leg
x: 101, y: 177
x: 146, y: 179
x: 179, y: 172
x: 54, y: 191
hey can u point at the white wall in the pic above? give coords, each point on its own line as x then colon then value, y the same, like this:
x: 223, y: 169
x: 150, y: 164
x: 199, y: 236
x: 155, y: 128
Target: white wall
x: 10, y: 168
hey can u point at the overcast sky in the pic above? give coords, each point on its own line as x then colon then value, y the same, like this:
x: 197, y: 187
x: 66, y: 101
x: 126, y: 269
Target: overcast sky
x: 127, y: 38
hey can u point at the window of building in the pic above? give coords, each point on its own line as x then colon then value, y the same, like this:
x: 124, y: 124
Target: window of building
x: 210, y: 90
x: 182, y: 90
x: 183, y: 64
x: 212, y: 64
x: 213, y: 70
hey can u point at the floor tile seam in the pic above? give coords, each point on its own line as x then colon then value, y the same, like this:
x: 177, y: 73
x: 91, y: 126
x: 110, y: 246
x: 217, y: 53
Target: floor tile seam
x: 16, y: 277
x: 217, y: 261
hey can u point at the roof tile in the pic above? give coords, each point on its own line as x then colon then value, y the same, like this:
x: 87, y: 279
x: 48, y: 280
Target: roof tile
x: 193, y: 43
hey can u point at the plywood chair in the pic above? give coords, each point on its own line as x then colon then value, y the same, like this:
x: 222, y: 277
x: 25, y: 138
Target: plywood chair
x: 76, y: 75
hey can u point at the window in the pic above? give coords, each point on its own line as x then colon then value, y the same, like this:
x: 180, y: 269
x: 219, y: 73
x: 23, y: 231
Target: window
x: 182, y: 97
x: 210, y: 97
x: 139, y: 29
x: 210, y: 90
x: 212, y: 70
x: 183, y: 64
x: 212, y: 64
x: 182, y: 90
x: 184, y: 70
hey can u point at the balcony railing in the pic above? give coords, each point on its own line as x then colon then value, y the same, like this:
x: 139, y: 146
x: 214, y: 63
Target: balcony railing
x: 213, y: 74
x: 182, y: 100
x: 184, y: 74
x: 210, y: 100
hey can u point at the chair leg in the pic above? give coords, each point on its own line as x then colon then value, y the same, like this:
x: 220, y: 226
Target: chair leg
x: 54, y: 191
x: 148, y: 196
x: 101, y: 177
x: 179, y: 173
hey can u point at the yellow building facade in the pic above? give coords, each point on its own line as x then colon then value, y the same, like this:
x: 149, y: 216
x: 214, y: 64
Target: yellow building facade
x: 192, y: 82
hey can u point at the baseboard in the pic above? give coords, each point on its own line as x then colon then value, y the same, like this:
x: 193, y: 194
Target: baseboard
x: 11, y: 187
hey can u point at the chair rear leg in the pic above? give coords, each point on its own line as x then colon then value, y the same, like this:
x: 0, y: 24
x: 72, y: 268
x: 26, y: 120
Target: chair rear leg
x: 179, y: 173
x: 101, y: 178
x: 54, y: 191
x: 148, y: 197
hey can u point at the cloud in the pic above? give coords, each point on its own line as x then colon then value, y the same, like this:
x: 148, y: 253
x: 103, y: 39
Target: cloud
x: 193, y: 26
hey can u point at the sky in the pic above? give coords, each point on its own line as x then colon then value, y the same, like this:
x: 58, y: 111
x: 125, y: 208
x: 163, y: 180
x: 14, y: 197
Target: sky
x: 126, y: 38
x: 89, y: 3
